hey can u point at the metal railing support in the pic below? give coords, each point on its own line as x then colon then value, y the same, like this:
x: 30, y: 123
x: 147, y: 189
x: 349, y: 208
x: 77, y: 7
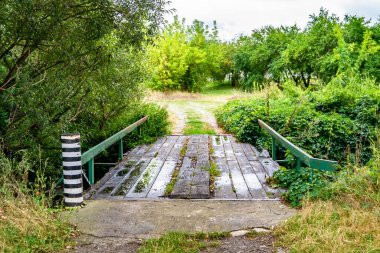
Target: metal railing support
x: 301, y: 156
x: 121, y: 152
x: 72, y: 170
x: 274, y: 157
x: 91, y: 172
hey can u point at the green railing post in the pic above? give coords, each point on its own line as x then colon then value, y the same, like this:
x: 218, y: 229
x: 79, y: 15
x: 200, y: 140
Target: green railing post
x: 301, y: 155
x: 140, y: 130
x: 121, y: 152
x: 91, y: 172
x: 274, y: 157
x: 298, y: 166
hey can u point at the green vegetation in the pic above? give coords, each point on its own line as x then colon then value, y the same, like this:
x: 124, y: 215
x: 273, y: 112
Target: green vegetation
x: 65, y: 66
x: 182, y: 242
x: 344, y: 218
x: 309, y: 56
x: 214, y: 172
x: 27, y: 224
x: 195, y: 125
x: 327, y: 104
x: 170, y: 186
x: 184, y: 58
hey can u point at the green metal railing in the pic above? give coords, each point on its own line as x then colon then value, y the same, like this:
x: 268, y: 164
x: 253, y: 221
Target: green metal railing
x: 302, y: 156
x: 89, y: 156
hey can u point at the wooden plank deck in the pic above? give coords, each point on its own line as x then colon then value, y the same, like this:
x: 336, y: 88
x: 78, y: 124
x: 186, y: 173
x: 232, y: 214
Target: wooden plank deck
x: 146, y: 171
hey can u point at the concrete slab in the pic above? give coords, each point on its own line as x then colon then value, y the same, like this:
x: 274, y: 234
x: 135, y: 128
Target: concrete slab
x: 141, y: 219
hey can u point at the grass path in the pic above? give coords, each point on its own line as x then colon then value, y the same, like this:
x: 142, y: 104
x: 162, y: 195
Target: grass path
x: 194, y: 113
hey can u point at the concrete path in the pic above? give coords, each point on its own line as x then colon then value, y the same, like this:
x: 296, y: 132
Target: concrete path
x: 113, y: 222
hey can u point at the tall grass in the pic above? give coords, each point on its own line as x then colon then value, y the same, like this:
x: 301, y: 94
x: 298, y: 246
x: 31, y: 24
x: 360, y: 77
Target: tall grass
x: 27, y: 224
x: 346, y: 218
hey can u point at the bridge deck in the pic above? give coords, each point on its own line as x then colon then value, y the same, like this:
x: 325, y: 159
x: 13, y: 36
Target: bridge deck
x: 179, y: 167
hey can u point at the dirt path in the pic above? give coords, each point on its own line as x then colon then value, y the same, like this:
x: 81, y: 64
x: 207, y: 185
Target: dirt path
x: 182, y: 105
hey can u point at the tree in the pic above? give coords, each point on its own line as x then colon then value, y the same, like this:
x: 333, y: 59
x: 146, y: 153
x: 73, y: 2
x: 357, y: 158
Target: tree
x: 186, y: 58
x: 69, y: 65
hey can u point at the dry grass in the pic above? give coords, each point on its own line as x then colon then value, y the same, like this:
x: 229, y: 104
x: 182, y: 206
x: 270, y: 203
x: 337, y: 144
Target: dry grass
x: 349, y: 221
x: 331, y: 227
x: 28, y: 227
x: 26, y: 224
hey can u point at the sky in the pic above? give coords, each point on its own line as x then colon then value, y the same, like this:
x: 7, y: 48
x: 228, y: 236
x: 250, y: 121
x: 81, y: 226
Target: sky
x: 236, y: 17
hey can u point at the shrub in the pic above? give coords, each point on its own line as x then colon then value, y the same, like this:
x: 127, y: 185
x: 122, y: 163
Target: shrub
x: 327, y: 126
x: 336, y: 123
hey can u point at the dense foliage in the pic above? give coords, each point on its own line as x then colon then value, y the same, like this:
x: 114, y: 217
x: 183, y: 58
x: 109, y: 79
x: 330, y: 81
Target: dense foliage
x: 313, y: 55
x: 185, y: 58
x: 72, y: 66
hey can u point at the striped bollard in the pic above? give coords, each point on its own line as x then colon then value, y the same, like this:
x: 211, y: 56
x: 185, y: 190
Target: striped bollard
x: 72, y: 170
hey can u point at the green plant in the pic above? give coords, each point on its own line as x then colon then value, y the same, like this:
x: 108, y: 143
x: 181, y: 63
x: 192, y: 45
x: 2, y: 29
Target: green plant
x: 182, y: 242
x: 300, y: 184
x: 344, y: 217
x: 27, y: 222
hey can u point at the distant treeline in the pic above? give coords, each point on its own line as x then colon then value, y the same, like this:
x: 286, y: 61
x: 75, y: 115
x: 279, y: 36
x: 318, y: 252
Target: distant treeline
x: 185, y: 57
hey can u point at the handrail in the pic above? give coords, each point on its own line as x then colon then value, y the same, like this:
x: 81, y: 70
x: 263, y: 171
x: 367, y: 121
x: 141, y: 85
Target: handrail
x: 301, y: 155
x: 89, y: 155
x: 96, y: 150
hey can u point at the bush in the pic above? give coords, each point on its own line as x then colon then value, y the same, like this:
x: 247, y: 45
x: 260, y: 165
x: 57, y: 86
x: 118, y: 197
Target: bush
x: 27, y: 224
x: 157, y: 125
x: 332, y: 127
x: 336, y: 123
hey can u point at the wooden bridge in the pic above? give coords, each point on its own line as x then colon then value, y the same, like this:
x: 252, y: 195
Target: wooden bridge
x: 180, y: 167
x: 190, y: 167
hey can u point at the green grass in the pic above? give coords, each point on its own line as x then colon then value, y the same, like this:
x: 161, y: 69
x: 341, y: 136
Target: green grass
x: 345, y: 218
x: 220, y: 89
x: 181, y: 242
x: 195, y: 125
x: 170, y: 186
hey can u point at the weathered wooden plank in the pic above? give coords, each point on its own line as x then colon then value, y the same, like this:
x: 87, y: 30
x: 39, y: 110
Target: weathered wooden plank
x: 217, y: 145
x: 163, y: 178
x: 183, y: 184
x: 253, y: 183
x: 240, y: 187
x: 132, y: 152
x: 141, y: 187
x: 130, y: 178
x: 192, y: 146
x: 200, y: 184
x: 176, y: 150
x: 223, y: 184
x: 269, y: 165
x: 262, y: 176
x: 249, y: 152
x: 255, y: 188
x: 146, y: 180
x: 165, y: 149
x: 155, y: 147
x: 143, y: 149
x: 228, y: 150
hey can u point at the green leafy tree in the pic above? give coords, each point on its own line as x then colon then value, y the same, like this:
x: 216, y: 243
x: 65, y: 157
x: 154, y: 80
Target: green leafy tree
x: 70, y: 65
x: 186, y: 58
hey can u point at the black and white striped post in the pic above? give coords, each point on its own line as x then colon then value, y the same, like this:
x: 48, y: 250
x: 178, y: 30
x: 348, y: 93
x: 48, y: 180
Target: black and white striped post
x: 72, y: 170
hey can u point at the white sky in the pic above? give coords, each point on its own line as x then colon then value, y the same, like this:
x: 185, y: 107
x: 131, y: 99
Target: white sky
x: 241, y: 16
